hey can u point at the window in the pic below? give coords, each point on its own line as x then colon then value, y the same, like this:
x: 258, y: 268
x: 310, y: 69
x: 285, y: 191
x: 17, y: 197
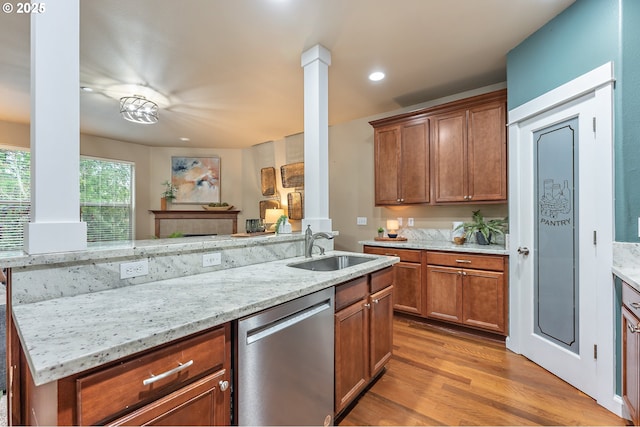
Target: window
x: 106, y: 198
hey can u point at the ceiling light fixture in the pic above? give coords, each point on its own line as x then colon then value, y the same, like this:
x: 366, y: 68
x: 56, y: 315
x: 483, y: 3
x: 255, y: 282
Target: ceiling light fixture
x: 138, y: 109
x: 376, y: 76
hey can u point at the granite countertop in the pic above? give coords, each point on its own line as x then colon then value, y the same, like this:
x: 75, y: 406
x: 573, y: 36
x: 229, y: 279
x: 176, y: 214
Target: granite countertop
x: 68, y: 335
x: 439, y: 245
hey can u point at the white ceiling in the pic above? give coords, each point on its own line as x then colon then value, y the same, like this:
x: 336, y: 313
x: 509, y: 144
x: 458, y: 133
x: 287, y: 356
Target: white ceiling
x: 231, y: 68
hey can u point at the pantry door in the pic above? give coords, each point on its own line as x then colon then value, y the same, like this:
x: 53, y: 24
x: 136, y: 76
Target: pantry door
x: 561, y: 213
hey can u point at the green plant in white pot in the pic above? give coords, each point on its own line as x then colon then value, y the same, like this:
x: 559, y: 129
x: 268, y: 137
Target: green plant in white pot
x: 483, y: 230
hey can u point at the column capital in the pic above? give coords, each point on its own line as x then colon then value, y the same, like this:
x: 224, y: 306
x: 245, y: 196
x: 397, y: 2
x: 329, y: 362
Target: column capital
x: 317, y: 52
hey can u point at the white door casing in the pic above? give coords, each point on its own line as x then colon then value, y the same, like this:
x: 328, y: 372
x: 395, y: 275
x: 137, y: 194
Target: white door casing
x: 589, y: 98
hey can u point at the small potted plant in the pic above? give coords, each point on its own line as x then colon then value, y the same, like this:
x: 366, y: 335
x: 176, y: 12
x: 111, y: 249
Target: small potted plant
x: 483, y: 230
x: 168, y: 196
x: 380, y: 232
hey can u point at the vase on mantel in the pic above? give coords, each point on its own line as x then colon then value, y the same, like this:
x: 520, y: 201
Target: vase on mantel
x: 164, y: 204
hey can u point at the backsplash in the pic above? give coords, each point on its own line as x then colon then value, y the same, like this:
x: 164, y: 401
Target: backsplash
x: 626, y: 254
x: 439, y: 235
x: 44, y: 281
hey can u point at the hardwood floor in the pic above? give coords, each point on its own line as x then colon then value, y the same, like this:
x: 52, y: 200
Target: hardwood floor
x: 440, y: 376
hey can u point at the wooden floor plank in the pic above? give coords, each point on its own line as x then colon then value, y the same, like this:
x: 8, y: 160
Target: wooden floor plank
x: 442, y: 376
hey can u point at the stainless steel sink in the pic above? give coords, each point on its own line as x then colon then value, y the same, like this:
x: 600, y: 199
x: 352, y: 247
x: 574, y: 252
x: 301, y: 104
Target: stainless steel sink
x: 331, y: 263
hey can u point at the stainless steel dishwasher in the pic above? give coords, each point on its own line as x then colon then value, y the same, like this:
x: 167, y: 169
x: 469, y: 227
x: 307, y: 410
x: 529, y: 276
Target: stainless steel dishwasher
x: 285, y: 363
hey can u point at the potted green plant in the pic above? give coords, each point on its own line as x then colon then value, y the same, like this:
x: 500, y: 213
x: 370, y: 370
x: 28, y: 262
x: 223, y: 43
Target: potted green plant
x: 380, y: 232
x: 483, y: 230
x: 169, y: 194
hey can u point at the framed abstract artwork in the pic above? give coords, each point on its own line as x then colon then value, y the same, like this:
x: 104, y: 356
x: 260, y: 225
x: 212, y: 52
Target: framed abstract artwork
x: 196, y: 178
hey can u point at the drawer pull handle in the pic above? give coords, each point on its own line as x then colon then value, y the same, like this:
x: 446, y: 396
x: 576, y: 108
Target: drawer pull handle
x: 224, y: 385
x: 634, y: 304
x: 633, y: 329
x: 391, y: 254
x: 464, y: 261
x: 168, y: 373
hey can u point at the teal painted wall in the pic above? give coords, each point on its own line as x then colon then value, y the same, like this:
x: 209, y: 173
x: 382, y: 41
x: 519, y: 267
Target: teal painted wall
x: 586, y: 35
x: 627, y: 150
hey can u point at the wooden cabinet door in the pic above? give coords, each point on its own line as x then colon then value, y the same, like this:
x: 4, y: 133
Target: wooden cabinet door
x: 407, y: 291
x: 387, y: 146
x: 444, y: 293
x: 487, y: 152
x: 414, y: 162
x: 202, y: 403
x: 631, y: 364
x: 449, y: 144
x: 351, y: 352
x: 483, y: 300
x: 381, y: 329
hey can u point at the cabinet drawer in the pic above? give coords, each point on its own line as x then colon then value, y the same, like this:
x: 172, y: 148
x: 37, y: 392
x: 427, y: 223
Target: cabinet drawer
x: 112, y: 391
x: 351, y: 291
x: 406, y: 255
x: 462, y: 260
x: 631, y: 299
x: 381, y: 279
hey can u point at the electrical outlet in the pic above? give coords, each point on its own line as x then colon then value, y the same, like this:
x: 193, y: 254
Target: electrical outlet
x: 400, y: 221
x: 134, y: 269
x: 410, y: 222
x: 211, y: 259
x: 361, y: 220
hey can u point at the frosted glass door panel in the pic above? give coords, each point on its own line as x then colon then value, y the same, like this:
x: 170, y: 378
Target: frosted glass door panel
x: 556, y: 284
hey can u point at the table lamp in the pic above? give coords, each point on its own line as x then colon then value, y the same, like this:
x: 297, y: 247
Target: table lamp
x: 392, y: 228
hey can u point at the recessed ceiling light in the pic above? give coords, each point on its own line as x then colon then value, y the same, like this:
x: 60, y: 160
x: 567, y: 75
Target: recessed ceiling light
x: 86, y: 88
x: 376, y: 76
x: 185, y: 139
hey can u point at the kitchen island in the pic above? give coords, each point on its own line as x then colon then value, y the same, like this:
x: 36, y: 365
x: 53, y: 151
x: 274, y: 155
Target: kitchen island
x: 74, y: 314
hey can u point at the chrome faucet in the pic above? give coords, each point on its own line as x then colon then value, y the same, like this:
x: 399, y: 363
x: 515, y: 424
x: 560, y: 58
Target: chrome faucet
x: 310, y: 237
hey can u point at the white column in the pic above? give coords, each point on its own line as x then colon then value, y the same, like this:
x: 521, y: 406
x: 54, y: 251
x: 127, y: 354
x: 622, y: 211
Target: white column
x: 55, y: 131
x: 315, y: 62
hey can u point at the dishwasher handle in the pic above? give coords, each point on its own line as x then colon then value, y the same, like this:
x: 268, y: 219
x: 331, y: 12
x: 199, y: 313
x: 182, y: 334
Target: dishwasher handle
x: 287, y: 321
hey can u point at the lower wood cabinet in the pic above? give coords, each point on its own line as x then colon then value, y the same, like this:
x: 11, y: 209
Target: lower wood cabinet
x: 631, y: 351
x: 408, y: 287
x: 467, y: 289
x: 185, y: 382
x: 363, y: 333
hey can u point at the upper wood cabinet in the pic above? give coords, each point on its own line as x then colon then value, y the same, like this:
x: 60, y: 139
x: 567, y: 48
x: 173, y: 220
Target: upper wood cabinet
x: 402, y: 163
x: 451, y: 153
x: 470, y: 154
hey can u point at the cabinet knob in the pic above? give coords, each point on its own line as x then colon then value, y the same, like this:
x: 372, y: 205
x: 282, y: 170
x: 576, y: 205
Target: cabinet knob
x: 523, y: 250
x: 376, y: 301
x: 224, y: 385
x: 367, y: 305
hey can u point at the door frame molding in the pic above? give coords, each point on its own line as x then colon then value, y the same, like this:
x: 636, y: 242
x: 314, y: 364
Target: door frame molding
x: 599, y: 82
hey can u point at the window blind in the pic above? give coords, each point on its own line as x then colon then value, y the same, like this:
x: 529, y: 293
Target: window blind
x: 15, y: 197
x: 106, y: 198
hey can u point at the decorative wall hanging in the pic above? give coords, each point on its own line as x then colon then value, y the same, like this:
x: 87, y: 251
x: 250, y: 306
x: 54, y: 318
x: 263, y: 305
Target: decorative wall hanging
x: 196, y: 178
x: 294, y: 200
x: 292, y: 175
x: 268, y: 181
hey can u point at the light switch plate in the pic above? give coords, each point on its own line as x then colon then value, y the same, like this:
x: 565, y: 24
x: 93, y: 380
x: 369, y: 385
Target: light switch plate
x: 400, y: 221
x: 410, y: 222
x: 361, y: 220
